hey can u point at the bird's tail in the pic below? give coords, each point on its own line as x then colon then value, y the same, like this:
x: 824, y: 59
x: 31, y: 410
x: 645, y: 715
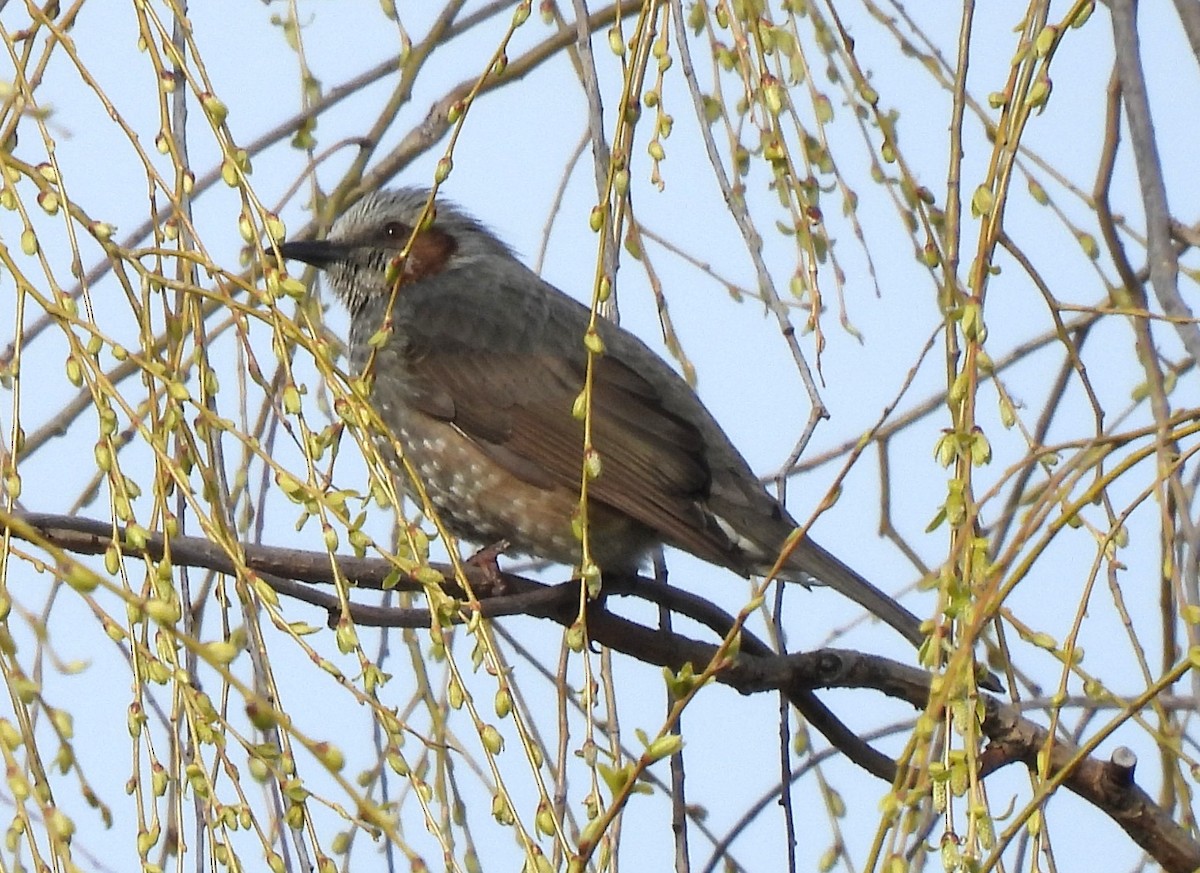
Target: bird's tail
x: 811, y: 563
x: 820, y: 567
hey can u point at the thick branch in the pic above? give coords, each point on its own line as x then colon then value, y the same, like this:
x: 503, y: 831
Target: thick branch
x: 1107, y: 785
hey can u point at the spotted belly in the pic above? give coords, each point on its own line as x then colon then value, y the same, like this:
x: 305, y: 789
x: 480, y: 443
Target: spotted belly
x: 480, y: 501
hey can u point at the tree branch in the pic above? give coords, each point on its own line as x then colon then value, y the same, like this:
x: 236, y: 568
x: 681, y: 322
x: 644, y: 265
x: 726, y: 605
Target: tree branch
x: 1107, y: 785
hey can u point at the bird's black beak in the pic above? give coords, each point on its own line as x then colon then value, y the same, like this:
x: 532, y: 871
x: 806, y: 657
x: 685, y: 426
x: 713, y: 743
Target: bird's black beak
x: 318, y: 252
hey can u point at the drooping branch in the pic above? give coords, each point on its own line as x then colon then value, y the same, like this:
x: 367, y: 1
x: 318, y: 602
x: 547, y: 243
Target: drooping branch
x: 293, y: 572
x: 1108, y: 785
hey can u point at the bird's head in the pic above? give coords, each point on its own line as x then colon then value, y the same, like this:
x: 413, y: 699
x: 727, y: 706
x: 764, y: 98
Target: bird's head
x: 373, y: 233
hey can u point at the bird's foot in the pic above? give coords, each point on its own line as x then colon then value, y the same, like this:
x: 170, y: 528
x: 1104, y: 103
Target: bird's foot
x: 486, y: 561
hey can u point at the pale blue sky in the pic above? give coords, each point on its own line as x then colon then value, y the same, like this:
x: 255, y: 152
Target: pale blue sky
x: 508, y: 164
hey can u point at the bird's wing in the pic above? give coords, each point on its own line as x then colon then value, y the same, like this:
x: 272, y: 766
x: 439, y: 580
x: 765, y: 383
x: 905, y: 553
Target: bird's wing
x: 516, y: 404
x: 520, y: 405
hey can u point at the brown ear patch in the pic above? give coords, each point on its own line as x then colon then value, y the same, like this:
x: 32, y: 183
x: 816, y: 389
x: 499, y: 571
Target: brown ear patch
x: 430, y: 252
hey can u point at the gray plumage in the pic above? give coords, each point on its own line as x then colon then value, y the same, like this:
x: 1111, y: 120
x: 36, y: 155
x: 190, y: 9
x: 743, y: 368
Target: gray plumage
x: 477, y: 381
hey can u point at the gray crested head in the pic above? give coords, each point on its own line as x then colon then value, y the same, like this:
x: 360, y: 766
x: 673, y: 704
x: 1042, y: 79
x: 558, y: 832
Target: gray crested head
x: 374, y: 232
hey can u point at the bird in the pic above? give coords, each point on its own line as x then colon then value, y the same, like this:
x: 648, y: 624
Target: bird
x: 479, y: 377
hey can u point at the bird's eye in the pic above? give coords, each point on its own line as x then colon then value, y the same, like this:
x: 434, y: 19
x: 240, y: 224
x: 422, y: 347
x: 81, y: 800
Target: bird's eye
x: 397, y: 231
